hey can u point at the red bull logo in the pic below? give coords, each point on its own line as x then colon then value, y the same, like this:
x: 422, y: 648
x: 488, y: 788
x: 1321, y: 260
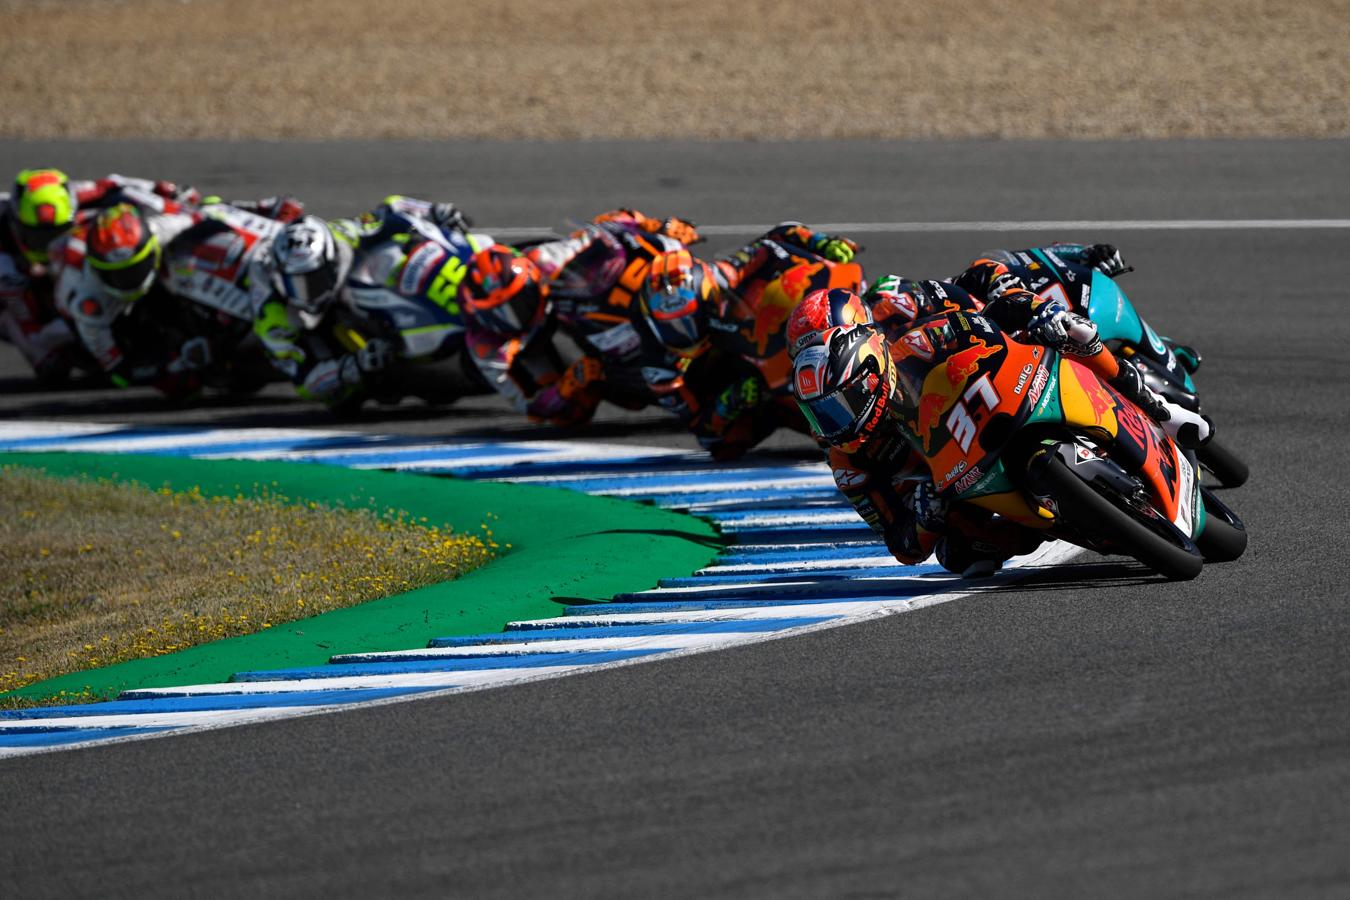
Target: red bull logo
x: 941, y: 389
x: 931, y: 407
x: 965, y: 363
x: 778, y: 301
x: 795, y: 281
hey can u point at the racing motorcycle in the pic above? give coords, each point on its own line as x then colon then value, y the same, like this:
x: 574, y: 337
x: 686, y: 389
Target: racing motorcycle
x: 1040, y: 439
x: 409, y: 296
x: 1167, y: 366
x: 203, y: 294
x: 745, y: 378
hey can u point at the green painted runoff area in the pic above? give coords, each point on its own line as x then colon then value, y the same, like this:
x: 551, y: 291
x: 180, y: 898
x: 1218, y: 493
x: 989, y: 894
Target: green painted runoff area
x: 567, y: 547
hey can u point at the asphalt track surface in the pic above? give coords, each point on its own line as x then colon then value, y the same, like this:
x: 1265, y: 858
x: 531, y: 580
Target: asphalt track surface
x: 1093, y: 733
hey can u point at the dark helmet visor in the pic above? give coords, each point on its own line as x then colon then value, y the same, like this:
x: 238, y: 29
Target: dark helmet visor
x: 514, y: 315
x: 129, y: 278
x: 841, y: 413
x: 35, y: 239
x: 676, y: 318
x: 311, y: 291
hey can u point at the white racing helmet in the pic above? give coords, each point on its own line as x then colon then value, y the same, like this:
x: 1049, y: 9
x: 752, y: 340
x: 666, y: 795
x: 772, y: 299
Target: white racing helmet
x: 310, y: 266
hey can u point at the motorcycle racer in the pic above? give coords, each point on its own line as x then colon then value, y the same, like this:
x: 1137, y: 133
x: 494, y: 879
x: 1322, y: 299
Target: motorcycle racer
x: 990, y: 267
x: 897, y: 302
x: 1105, y: 258
x: 834, y: 338
x: 124, y: 278
x: 43, y: 207
x: 315, y: 273
x: 632, y: 355
x: 583, y: 285
x: 103, y: 269
x: 733, y: 399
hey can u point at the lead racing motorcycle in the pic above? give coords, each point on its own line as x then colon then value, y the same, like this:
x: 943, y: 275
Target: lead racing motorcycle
x: 1040, y: 439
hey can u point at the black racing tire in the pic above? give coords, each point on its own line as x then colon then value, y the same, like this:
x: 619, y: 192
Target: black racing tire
x: 1223, y: 464
x: 1224, y: 539
x: 1082, y: 507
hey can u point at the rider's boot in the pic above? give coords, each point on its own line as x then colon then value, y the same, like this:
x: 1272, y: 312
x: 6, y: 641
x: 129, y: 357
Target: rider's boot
x: 1187, y: 428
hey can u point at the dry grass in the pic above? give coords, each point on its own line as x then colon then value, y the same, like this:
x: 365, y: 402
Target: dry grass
x: 99, y: 572
x: 770, y: 69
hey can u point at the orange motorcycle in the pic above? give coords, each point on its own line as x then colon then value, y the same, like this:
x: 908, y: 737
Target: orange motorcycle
x: 1040, y: 439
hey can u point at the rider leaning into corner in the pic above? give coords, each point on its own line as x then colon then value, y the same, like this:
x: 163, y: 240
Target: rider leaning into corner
x: 733, y: 325
x: 106, y: 264
x: 313, y: 265
x: 845, y: 345
x: 682, y: 307
x: 515, y: 302
x: 992, y: 265
x: 44, y: 206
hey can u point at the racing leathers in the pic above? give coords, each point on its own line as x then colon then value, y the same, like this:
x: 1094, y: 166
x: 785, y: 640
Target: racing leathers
x: 399, y: 250
x: 594, y: 277
x: 888, y: 481
x: 738, y: 390
x: 29, y: 317
x: 103, y: 319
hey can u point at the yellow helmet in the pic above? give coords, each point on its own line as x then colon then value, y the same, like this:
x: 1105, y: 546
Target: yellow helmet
x: 43, y: 209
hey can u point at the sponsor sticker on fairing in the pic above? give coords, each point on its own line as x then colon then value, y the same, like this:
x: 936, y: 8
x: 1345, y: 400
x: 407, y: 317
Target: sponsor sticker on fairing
x: 1154, y: 341
x: 1038, y: 384
x: 421, y: 264
x: 213, y: 291
x: 1186, y: 491
x: 967, y: 481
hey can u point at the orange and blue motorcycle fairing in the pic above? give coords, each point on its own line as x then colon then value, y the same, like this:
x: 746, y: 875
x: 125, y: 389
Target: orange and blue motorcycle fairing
x: 760, y: 311
x: 963, y: 410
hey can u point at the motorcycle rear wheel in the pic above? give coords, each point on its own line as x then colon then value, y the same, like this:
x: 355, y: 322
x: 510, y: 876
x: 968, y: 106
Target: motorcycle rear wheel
x: 1082, y: 507
x: 1223, y: 464
x: 1224, y: 539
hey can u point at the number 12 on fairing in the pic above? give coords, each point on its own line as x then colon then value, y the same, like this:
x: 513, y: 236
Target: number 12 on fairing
x: 959, y: 420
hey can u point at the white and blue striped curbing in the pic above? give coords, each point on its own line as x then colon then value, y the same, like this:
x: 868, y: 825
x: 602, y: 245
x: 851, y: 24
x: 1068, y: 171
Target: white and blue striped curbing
x: 798, y: 559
